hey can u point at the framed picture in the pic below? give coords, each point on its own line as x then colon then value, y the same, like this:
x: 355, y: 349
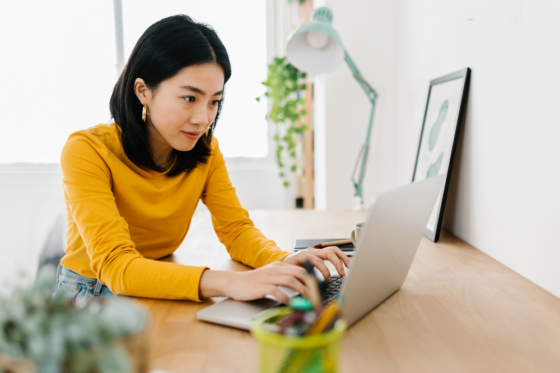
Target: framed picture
x: 444, y: 113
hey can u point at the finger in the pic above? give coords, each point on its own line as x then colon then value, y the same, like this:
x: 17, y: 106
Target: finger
x: 275, y: 291
x: 321, y: 266
x: 331, y: 257
x: 335, y: 260
x: 341, y: 254
x: 290, y: 282
x: 293, y: 270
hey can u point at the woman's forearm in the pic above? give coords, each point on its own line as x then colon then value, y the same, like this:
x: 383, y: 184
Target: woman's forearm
x: 215, y: 283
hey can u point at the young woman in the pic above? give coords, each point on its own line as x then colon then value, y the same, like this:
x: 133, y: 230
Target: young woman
x: 131, y: 187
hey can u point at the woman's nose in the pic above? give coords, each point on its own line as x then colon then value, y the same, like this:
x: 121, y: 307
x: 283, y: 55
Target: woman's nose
x: 199, y: 116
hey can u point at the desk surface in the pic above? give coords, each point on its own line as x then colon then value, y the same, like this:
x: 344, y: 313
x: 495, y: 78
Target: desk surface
x: 458, y: 311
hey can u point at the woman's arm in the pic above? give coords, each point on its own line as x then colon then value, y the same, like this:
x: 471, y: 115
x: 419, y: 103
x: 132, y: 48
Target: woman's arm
x: 244, y: 242
x: 254, y: 284
x: 236, y: 231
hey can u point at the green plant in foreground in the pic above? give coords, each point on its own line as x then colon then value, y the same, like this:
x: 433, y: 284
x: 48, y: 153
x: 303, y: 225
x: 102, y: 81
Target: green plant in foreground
x: 285, y: 84
x: 56, y: 336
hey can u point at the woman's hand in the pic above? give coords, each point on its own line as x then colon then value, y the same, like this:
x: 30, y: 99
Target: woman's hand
x: 316, y: 256
x: 254, y: 284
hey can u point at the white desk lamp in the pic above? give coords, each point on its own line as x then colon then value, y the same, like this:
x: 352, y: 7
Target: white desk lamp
x: 316, y: 48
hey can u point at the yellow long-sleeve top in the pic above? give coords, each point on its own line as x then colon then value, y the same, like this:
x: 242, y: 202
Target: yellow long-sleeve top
x: 122, y: 218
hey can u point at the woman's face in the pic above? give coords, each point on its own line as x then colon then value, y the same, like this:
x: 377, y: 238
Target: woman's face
x: 182, y: 108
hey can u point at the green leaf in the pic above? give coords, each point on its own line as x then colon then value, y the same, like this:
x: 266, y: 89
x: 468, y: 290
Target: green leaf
x: 293, y: 168
x: 114, y: 361
x: 258, y: 99
x: 286, y: 184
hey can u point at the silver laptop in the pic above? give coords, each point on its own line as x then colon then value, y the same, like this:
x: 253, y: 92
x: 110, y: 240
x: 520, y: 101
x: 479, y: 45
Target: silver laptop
x: 395, y: 225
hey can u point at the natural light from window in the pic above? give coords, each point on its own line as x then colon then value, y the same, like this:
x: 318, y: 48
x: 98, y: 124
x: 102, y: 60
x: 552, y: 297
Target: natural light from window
x: 58, y: 69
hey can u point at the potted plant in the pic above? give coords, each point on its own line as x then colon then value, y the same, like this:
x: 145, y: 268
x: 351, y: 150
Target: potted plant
x: 42, y: 334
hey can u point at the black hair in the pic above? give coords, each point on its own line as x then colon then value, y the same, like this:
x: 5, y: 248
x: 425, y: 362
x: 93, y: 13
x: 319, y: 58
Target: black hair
x: 165, y: 48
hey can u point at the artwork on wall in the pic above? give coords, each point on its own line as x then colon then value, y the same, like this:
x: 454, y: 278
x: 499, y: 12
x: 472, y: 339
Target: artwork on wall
x: 444, y: 113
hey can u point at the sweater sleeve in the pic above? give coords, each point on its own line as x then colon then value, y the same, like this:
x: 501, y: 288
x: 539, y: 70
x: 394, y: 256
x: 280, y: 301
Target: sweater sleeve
x: 236, y: 231
x: 113, y: 256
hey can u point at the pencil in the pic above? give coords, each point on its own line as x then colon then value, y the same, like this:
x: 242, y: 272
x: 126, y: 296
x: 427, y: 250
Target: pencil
x: 326, y: 317
x: 333, y: 243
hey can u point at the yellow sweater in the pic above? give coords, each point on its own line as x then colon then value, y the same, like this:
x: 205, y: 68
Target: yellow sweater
x: 122, y: 218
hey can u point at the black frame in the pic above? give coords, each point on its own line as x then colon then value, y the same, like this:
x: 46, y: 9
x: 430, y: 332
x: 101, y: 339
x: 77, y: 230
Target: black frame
x: 466, y: 75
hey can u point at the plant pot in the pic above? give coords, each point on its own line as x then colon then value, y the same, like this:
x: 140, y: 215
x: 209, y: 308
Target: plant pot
x: 137, y: 347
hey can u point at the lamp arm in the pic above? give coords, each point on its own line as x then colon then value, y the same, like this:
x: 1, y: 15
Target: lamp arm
x: 362, y: 156
x: 368, y: 89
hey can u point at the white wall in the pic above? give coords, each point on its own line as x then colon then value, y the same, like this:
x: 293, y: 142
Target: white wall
x: 505, y: 197
x: 369, y: 32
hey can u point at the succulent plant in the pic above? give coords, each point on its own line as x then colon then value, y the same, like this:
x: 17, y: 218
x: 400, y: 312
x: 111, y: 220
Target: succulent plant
x: 59, y: 336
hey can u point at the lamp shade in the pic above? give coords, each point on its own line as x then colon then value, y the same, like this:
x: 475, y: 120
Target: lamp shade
x: 315, y: 47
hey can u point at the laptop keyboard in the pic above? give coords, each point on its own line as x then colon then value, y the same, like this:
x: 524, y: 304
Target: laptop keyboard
x: 331, y: 290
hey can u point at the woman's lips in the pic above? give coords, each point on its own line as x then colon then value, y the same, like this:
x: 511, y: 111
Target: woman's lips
x: 192, y: 135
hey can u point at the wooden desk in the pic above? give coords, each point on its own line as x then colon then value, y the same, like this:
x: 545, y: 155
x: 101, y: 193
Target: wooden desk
x: 458, y: 311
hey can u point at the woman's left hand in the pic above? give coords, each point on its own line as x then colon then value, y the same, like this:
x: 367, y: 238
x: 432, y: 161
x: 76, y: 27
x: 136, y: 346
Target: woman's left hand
x: 316, y: 256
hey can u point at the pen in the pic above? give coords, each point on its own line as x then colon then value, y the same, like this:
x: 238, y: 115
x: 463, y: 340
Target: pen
x: 333, y: 243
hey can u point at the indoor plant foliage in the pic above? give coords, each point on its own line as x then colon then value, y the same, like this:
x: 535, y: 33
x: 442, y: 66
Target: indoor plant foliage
x: 285, y: 85
x: 42, y: 334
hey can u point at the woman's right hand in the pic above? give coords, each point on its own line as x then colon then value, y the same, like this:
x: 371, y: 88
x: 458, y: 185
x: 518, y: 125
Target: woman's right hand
x: 254, y: 284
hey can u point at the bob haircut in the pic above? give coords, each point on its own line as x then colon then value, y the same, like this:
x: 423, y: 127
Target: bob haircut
x: 165, y: 48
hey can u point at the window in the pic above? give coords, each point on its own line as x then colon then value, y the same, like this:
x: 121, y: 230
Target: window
x: 57, y: 72
x: 59, y: 67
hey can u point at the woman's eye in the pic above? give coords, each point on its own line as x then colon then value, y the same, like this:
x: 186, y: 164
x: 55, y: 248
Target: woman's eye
x: 189, y: 98
x: 216, y: 102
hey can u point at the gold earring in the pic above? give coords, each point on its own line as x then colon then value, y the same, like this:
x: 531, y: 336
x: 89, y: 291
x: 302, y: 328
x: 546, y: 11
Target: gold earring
x: 144, y: 112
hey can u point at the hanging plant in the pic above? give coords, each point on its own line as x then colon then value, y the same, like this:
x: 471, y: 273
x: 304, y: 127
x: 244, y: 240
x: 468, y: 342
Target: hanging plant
x: 285, y: 84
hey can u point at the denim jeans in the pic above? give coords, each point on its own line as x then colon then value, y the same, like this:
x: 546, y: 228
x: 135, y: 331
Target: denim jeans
x: 76, y: 287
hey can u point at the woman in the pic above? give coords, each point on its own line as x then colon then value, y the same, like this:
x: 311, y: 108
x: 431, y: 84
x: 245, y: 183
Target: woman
x: 131, y: 187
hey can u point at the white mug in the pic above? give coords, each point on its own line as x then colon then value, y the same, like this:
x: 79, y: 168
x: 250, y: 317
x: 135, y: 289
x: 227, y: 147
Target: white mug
x: 356, y: 234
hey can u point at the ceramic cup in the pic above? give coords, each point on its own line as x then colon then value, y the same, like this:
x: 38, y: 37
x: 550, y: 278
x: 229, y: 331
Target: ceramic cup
x: 357, y: 233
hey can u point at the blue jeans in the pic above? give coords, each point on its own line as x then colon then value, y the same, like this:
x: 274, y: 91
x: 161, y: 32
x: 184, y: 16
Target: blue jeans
x: 75, y: 287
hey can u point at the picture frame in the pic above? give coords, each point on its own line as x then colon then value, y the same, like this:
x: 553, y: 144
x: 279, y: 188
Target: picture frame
x: 445, y: 111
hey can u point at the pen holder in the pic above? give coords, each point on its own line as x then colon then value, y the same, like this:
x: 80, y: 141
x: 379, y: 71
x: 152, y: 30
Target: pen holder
x: 286, y: 354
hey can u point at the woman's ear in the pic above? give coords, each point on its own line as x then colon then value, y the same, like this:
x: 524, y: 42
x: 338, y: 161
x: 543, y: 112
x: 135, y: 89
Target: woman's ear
x: 141, y: 90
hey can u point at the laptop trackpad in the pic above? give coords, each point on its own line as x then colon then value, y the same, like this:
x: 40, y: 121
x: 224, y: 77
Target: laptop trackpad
x: 235, y: 313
